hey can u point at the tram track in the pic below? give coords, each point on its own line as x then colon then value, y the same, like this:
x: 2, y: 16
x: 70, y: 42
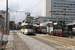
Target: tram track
x: 19, y: 44
x: 50, y: 43
x: 38, y: 40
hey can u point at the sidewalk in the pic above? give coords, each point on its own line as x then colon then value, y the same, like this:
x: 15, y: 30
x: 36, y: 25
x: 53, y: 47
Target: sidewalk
x: 10, y: 44
x: 61, y: 40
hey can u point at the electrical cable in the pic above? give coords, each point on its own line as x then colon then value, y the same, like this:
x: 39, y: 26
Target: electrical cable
x: 36, y: 5
x: 23, y: 11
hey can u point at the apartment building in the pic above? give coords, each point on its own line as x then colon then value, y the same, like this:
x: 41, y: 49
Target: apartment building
x: 59, y: 9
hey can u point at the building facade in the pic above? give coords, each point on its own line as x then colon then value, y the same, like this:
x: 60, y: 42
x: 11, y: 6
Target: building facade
x: 42, y: 19
x: 3, y: 13
x: 2, y: 23
x: 59, y: 8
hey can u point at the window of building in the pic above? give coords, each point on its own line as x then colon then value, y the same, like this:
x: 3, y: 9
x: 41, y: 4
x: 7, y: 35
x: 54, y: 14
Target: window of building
x: 45, y: 20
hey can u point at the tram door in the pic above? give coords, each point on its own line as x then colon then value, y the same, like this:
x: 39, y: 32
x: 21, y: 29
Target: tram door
x: 50, y: 28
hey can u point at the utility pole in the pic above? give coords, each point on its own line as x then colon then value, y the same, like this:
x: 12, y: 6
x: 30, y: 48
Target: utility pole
x: 6, y: 23
x: 7, y: 14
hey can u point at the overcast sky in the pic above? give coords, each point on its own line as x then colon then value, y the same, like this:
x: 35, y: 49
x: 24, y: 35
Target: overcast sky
x: 22, y: 5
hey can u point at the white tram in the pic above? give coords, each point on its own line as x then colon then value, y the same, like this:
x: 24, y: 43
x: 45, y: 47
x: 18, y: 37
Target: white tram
x: 50, y: 27
x: 26, y: 28
x: 46, y: 27
x: 42, y: 28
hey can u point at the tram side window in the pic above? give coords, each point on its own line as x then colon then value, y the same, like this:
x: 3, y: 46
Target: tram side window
x: 65, y: 28
x: 43, y: 27
x: 57, y: 27
x: 51, y: 25
x: 21, y: 27
x: 28, y: 27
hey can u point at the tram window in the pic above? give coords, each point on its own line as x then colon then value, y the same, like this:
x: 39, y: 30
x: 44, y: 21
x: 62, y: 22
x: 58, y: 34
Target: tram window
x: 30, y: 27
x: 27, y: 27
x: 37, y: 27
x: 57, y: 27
x: 51, y: 25
x: 43, y: 27
x: 65, y: 28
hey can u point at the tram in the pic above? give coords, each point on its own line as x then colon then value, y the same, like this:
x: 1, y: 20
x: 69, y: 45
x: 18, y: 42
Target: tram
x: 49, y: 28
x: 57, y: 29
x: 26, y: 28
x: 71, y: 28
x: 35, y: 28
x: 46, y: 27
x: 42, y: 28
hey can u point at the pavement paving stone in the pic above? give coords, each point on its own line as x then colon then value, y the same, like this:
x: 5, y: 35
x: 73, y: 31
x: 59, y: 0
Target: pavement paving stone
x: 10, y: 44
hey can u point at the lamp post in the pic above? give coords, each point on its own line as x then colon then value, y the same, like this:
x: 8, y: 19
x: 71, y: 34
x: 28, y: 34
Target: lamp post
x: 6, y: 14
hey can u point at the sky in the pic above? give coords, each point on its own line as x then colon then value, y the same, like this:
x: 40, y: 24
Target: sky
x: 24, y: 6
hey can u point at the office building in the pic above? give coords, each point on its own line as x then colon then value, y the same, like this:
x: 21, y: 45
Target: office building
x: 42, y: 19
x: 59, y: 9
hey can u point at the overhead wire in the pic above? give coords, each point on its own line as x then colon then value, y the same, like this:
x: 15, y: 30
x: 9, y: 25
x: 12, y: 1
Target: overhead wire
x: 36, y: 5
x: 24, y: 11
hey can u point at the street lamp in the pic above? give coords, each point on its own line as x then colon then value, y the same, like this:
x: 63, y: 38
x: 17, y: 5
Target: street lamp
x: 6, y: 14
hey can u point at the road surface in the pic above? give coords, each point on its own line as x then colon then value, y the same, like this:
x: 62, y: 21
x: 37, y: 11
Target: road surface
x: 32, y: 42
